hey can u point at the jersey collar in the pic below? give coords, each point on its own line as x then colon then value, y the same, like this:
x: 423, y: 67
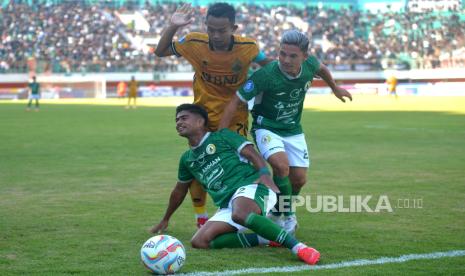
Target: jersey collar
x: 289, y: 76
x: 203, y: 140
x: 230, y: 47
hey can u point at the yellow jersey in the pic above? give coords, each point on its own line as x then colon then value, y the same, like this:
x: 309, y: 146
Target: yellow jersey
x: 133, y: 88
x: 218, y: 75
x: 392, y: 83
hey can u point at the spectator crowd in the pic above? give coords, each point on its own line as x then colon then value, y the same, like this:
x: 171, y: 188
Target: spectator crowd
x: 77, y: 37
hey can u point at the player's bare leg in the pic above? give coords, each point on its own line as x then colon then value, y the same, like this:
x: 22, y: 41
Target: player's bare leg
x: 199, y: 200
x: 28, y: 108
x: 209, y: 232
x: 298, y: 178
x: 37, y: 105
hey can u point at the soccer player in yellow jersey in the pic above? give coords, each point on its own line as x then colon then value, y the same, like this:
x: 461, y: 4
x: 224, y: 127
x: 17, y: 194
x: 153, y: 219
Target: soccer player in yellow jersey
x: 221, y: 61
x: 132, y: 94
x: 392, y: 85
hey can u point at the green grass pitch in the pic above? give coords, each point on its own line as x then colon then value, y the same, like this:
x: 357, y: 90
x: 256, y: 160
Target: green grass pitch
x: 81, y: 184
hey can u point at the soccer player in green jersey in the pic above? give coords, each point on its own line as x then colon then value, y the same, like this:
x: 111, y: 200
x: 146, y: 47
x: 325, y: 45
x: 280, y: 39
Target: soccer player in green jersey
x: 243, y: 192
x: 34, y: 94
x: 280, y: 88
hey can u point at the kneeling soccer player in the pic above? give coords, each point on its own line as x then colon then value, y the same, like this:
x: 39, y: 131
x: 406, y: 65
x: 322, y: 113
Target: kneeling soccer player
x: 244, y: 193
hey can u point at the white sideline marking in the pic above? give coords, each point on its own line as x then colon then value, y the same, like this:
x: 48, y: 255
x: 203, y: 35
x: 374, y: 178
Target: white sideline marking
x: 361, y: 262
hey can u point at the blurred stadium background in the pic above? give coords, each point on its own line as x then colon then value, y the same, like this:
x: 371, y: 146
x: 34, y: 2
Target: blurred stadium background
x: 82, y: 49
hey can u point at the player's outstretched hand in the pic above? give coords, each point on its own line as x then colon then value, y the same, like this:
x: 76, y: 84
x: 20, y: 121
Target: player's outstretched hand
x: 159, y: 228
x: 340, y: 93
x: 268, y: 181
x: 183, y: 15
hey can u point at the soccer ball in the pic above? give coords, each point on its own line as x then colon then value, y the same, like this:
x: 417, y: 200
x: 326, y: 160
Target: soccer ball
x: 163, y: 254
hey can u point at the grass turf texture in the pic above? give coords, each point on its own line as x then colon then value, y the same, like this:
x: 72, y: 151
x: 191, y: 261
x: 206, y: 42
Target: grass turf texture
x: 80, y: 185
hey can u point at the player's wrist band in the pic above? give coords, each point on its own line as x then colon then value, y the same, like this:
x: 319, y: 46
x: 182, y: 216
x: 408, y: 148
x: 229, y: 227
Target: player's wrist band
x: 264, y: 171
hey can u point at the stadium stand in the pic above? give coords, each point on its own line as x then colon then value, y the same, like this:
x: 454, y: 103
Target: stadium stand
x: 119, y: 36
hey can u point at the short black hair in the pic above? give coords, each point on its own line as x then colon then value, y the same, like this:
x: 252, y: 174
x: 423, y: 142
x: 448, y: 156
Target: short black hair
x: 223, y: 10
x: 193, y: 108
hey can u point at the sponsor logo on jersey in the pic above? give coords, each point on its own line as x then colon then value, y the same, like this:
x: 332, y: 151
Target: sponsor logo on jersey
x: 279, y: 105
x: 211, y: 164
x: 294, y: 104
x: 249, y: 86
x: 296, y: 93
x: 211, y: 174
x: 286, y: 115
x: 220, y: 80
x: 211, y: 149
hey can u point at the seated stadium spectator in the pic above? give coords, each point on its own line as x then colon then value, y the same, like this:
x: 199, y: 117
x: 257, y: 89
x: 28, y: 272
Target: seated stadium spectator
x: 83, y: 36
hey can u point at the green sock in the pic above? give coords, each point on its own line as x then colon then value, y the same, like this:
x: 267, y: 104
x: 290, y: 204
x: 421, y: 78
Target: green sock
x: 286, y: 190
x: 235, y: 240
x: 294, y: 193
x: 264, y: 227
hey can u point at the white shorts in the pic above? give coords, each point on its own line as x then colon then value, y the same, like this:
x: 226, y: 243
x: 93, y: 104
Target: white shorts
x: 262, y: 195
x: 295, y: 147
x: 34, y: 97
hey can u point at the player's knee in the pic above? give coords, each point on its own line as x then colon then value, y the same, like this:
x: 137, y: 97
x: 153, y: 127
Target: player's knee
x: 239, y: 217
x: 281, y: 169
x: 298, y: 184
x: 199, y: 243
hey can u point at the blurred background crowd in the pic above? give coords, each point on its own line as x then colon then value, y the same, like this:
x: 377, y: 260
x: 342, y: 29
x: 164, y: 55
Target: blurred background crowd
x: 93, y: 36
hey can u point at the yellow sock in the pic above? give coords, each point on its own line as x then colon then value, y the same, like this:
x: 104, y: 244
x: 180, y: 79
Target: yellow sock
x: 199, y: 199
x: 200, y: 211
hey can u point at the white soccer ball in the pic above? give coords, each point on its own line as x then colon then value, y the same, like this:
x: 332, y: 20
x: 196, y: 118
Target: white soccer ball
x: 163, y: 254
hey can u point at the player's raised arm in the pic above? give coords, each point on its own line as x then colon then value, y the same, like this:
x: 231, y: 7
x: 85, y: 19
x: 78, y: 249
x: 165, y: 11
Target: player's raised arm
x: 182, y: 17
x: 259, y: 163
x: 176, y: 198
x: 339, y: 92
x: 229, y: 112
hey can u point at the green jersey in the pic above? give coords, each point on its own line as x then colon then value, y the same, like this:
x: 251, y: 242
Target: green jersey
x: 217, y: 164
x: 279, y: 98
x: 35, y: 87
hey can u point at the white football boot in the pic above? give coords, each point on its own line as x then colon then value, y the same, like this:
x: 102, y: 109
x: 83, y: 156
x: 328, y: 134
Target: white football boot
x: 290, y: 224
x: 278, y: 220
